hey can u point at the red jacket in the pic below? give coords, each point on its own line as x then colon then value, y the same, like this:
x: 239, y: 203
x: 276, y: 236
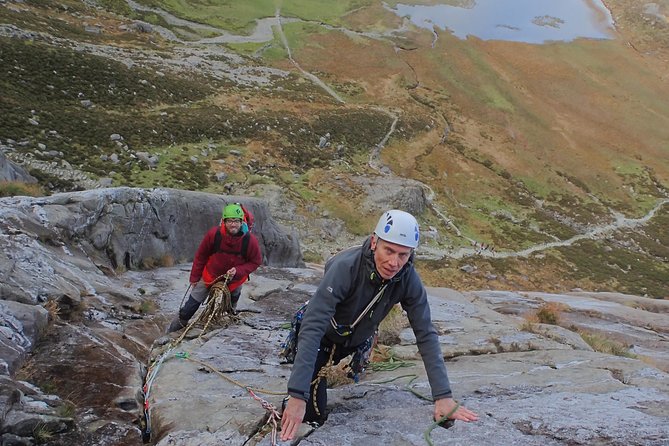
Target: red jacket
x: 211, y: 261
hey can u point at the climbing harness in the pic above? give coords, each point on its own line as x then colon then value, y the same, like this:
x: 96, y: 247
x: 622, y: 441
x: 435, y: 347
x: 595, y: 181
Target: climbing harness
x: 289, y: 346
x: 360, y: 359
x: 347, y: 330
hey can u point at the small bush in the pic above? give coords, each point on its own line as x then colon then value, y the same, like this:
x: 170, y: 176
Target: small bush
x: 27, y: 371
x: 53, y: 309
x: 529, y: 327
x: 42, y: 434
x: 549, y: 313
x: 257, y: 179
x: 147, y: 307
x: 546, y: 316
x: 66, y: 410
x: 164, y: 261
x: 309, y: 256
x: 392, y: 325
x: 48, y: 387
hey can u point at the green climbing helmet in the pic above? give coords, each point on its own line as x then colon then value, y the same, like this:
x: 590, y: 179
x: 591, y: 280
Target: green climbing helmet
x: 233, y: 211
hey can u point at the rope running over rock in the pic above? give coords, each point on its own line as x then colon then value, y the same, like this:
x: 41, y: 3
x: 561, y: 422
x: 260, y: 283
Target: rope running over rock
x: 217, y: 311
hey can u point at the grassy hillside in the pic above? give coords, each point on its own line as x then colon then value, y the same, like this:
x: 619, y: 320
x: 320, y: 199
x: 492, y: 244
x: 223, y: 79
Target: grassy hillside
x: 522, y: 145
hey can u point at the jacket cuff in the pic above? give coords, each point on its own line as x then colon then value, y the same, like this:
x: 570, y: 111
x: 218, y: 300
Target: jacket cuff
x: 304, y: 396
x: 448, y: 394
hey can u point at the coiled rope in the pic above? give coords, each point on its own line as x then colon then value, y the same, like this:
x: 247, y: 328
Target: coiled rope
x: 218, y: 307
x: 392, y: 363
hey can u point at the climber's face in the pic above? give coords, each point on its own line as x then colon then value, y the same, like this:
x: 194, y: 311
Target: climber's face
x: 233, y: 225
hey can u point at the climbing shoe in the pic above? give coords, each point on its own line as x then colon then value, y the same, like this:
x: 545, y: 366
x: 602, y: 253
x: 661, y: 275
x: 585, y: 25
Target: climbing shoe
x: 176, y: 325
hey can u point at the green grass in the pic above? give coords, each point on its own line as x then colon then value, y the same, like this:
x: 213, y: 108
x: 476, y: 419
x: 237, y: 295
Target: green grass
x: 347, y: 211
x: 43, y: 16
x: 13, y: 188
x: 147, y: 307
x: 495, y: 98
x: 602, y: 344
x: 654, y: 239
x: 42, y: 433
x: 640, y: 181
x: 537, y: 187
x: 152, y: 18
x: 251, y: 48
x: 66, y: 410
x: 119, y: 7
x: 239, y: 16
x: 624, y: 270
x: 234, y: 16
x: 304, y: 192
x: 321, y: 10
x: 39, y: 75
x: 175, y: 169
x: 298, y: 36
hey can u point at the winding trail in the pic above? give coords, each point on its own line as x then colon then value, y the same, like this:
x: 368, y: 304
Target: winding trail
x: 308, y: 75
x: 263, y: 33
x: 594, y: 233
x: 374, y: 161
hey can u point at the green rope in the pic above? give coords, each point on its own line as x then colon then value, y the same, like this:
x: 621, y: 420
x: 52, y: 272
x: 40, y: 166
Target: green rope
x: 426, y: 435
x: 408, y: 387
x: 385, y: 381
x: 389, y: 364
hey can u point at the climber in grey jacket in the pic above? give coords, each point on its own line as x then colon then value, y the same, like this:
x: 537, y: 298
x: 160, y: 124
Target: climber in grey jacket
x: 359, y: 287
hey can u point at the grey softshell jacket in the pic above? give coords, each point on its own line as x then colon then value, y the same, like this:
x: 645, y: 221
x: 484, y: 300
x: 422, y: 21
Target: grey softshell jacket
x: 350, y: 282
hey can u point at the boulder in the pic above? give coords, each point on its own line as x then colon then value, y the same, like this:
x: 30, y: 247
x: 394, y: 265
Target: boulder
x: 20, y: 327
x: 132, y: 228
x: 10, y: 171
x: 545, y: 387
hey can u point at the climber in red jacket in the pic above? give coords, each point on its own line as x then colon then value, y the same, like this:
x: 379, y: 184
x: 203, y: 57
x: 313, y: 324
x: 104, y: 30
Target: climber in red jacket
x: 226, y: 249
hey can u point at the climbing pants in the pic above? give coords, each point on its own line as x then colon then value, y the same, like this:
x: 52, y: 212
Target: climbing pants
x: 318, y: 399
x: 197, y: 296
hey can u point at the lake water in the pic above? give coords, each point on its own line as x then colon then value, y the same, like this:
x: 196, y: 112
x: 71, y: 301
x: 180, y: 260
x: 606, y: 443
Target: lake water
x: 532, y: 21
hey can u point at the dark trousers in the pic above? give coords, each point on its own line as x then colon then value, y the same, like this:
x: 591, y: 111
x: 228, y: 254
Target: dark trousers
x: 318, y: 400
x: 190, y: 307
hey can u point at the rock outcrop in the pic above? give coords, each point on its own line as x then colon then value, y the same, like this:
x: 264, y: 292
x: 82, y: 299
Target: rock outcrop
x: 532, y: 384
x: 60, y: 259
x: 69, y: 272
x: 48, y: 241
x: 10, y: 171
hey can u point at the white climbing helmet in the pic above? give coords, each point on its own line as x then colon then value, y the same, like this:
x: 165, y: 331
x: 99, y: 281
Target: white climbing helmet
x: 398, y: 227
